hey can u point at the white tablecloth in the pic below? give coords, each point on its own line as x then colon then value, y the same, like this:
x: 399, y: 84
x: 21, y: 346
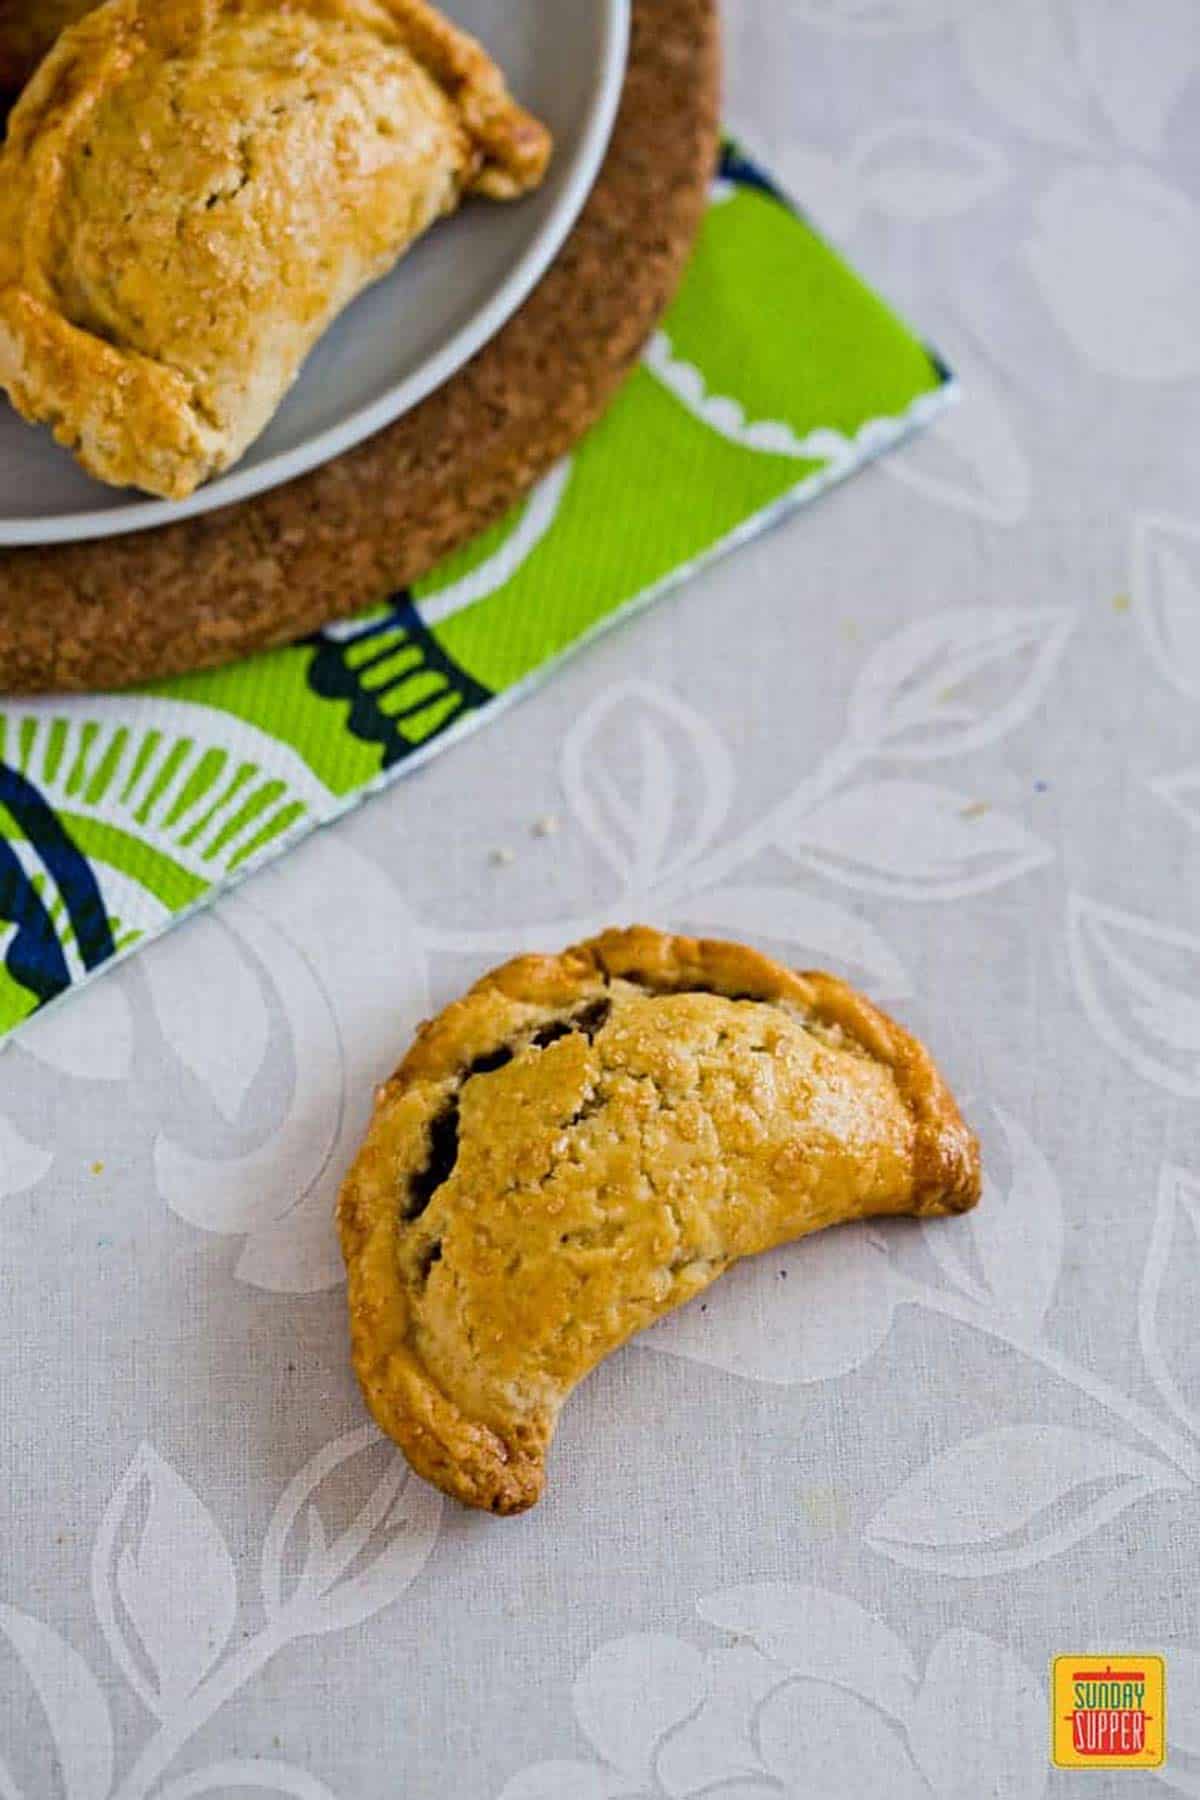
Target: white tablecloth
x: 938, y: 732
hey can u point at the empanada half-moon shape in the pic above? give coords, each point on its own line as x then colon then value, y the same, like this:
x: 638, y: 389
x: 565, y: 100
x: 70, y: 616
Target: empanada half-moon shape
x: 192, y: 190
x: 586, y: 1141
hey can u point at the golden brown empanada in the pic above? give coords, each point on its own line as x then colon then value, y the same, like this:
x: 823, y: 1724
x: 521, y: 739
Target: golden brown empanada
x: 588, y: 1140
x: 192, y: 190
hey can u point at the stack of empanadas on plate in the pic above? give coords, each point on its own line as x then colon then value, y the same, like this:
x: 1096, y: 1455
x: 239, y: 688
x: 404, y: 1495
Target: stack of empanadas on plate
x: 191, y: 191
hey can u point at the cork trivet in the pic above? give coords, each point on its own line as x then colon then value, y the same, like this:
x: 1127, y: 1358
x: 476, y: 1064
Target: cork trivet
x: 210, y: 590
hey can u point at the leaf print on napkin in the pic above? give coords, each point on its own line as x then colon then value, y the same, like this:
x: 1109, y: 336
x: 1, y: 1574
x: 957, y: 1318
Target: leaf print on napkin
x: 814, y: 930
x: 957, y: 680
x: 1003, y: 1754
x: 163, y: 1583
x: 648, y: 779
x: 1139, y: 982
x: 322, y: 1584
x: 22, y: 1164
x: 1007, y: 1252
x: 1174, y: 1245
x: 75, y: 1708
x: 1165, y: 575
x: 913, y: 841
x: 1116, y: 257
x: 958, y: 1515
x: 830, y: 1315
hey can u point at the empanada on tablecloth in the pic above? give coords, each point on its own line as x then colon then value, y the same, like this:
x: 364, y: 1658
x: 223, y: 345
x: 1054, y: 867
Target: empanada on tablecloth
x: 586, y: 1141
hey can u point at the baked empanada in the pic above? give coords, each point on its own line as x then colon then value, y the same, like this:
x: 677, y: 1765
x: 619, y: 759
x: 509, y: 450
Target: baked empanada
x: 586, y: 1141
x: 27, y: 30
x: 192, y: 190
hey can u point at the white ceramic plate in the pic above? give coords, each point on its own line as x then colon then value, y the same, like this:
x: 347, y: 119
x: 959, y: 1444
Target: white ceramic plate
x: 405, y: 336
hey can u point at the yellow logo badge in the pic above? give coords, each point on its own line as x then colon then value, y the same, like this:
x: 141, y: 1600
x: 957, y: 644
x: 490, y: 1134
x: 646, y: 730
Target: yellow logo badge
x: 1108, y: 1712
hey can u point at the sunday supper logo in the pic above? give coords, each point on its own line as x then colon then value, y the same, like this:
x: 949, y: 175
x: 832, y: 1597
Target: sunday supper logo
x: 1108, y: 1713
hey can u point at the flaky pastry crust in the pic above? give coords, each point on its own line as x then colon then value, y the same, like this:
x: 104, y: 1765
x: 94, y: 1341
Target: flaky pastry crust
x: 586, y: 1141
x: 192, y: 190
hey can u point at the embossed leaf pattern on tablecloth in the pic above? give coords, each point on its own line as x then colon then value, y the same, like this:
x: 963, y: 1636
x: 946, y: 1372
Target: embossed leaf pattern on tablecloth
x: 1165, y: 575
x: 954, y: 1516
x: 319, y: 965
x: 819, y: 1701
x: 1132, y: 315
x: 1007, y: 1254
x: 1139, y: 981
x: 165, y: 1593
x: 22, y: 1164
x: 1172, y: 1250
x: 911, y: 169
x: 916, y: 842
x: 831, y: 1313
x: 94, y: 1046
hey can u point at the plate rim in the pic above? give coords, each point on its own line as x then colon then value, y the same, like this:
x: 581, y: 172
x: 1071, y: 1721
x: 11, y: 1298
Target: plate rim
x: 237, y: 485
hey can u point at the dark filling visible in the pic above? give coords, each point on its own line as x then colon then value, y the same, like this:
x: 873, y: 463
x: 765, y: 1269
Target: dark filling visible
x: 588, y: 1020
x: 592, y: 1018
x: 443, y: 1154
x: 487, y: 1065
x: 550, y: 1034
x: 429, y: 1257
x: 443, y: 1132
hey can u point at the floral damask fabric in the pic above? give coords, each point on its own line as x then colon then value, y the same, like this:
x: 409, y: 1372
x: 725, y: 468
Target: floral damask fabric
x: 820, y: 1534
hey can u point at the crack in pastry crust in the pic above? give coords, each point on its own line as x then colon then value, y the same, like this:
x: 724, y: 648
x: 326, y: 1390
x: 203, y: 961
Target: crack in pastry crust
x: 584, y: 1142
x: 192, y: 190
